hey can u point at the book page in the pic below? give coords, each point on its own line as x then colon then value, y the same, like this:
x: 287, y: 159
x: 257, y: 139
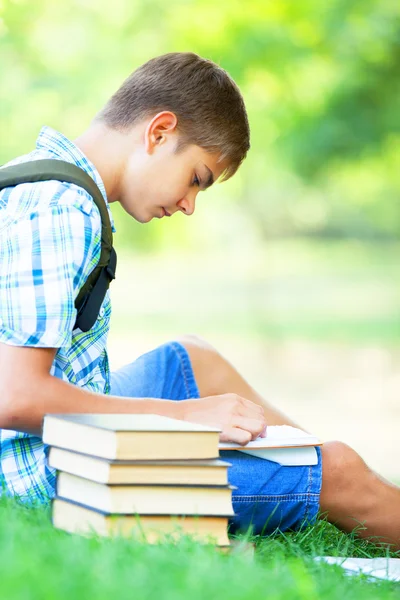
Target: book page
x: 382, y: 568
x: 278, y: 436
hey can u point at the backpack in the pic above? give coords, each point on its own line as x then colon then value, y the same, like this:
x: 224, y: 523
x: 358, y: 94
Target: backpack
x: 91, y: 295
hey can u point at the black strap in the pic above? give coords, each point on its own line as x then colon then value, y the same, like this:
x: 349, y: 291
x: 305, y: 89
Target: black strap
x: 93, y: 300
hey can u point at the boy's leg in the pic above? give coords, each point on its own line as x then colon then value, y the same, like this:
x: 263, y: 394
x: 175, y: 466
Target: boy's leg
x: 352, y: 494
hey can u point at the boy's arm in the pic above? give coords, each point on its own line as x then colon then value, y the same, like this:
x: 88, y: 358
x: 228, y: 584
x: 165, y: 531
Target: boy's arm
x: 28, y: 392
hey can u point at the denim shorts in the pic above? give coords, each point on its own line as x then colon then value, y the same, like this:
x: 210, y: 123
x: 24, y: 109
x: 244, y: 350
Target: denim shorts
x: 268, y: 496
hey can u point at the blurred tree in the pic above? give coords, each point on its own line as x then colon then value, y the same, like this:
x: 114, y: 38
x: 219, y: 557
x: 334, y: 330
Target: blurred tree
x: 321, y: 82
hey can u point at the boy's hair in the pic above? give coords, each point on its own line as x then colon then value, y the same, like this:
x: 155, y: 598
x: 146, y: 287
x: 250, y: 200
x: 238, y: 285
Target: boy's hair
x: 207, y: 102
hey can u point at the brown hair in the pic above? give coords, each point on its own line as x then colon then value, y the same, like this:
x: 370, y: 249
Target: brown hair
x: 207, y: 102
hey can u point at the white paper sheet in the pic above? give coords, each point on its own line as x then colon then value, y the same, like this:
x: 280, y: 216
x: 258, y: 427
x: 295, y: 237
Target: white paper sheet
x: 382, y: 568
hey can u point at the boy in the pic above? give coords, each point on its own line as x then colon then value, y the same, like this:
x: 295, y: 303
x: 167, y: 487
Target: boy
x: 175, y: 126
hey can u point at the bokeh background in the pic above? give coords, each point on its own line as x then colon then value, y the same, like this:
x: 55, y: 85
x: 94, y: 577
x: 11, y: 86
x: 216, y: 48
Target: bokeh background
x: 291, y: 268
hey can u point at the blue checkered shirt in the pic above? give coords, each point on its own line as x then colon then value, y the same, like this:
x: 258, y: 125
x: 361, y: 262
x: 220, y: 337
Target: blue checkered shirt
x: 50, y: 240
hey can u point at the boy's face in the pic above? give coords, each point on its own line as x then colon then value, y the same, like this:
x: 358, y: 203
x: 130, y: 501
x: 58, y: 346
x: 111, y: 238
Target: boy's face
x: 157, y: 181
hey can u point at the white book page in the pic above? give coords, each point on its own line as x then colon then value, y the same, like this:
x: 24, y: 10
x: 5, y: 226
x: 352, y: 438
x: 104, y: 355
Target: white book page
x: 278, y: 436
x: 382, y: 568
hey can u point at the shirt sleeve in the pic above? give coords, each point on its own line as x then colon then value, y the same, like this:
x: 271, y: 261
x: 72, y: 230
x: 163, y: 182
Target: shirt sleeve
x: 45, y: 258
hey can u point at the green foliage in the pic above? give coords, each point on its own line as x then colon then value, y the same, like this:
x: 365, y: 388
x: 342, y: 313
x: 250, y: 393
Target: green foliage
x: 320, y: 79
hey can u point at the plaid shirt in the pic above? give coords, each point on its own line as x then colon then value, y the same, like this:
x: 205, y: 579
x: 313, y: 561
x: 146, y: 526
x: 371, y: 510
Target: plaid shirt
x: 50, y: 240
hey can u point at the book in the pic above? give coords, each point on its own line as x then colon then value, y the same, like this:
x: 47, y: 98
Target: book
x: 78, y: 518
x: 278, y: 436
x: 196, y: 472
x: 376, y: 568
x: 287, y: 457
x: 131, y: 437
x: 283, y: 444
x: 146, y: 499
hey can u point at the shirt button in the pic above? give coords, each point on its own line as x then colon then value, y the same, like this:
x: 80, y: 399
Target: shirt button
x: 101, y: 312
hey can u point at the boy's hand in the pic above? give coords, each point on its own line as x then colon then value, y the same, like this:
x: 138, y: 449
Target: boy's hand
x: 240, y: 420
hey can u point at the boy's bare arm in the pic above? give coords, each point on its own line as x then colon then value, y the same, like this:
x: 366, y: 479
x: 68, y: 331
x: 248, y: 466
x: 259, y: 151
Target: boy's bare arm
x: 28, y: 392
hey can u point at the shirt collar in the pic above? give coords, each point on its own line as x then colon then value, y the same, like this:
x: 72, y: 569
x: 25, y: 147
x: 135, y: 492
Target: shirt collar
x: 56, y: 143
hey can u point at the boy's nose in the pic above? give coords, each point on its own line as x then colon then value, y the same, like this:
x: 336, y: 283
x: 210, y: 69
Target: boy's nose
x: 187, y: 205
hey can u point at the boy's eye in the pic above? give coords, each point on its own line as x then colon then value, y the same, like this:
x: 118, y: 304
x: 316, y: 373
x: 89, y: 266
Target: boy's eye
x: 196, y: 180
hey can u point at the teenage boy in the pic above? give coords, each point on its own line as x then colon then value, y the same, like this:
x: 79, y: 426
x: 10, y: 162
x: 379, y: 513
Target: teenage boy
x: 174, y: 127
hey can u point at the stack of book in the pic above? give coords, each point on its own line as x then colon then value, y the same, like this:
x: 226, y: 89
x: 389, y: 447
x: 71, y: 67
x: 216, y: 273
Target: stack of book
x: 145, y: 476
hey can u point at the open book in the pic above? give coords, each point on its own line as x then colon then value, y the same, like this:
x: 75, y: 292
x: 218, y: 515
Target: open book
x: 381, y: 568
x: 283, y: 444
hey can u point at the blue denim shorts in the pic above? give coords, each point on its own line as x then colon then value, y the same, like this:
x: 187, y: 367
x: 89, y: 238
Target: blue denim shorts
x: 269, y: 496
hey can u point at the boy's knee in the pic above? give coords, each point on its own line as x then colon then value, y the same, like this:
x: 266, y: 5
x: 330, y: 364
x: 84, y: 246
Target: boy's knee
x: 341, y: 471
x: 211, y: 370
x: 200, y: 351
x: 194, y: 343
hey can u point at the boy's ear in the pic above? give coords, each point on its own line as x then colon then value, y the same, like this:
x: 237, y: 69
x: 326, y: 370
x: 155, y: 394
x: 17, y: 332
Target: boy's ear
x: 159, y: 129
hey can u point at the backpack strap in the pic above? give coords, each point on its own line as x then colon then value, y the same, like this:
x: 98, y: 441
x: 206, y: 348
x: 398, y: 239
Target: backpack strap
x: 91, y: 295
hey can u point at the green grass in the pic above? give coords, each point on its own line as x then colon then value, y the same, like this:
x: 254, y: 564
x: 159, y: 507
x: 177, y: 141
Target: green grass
x: 40, y: 562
